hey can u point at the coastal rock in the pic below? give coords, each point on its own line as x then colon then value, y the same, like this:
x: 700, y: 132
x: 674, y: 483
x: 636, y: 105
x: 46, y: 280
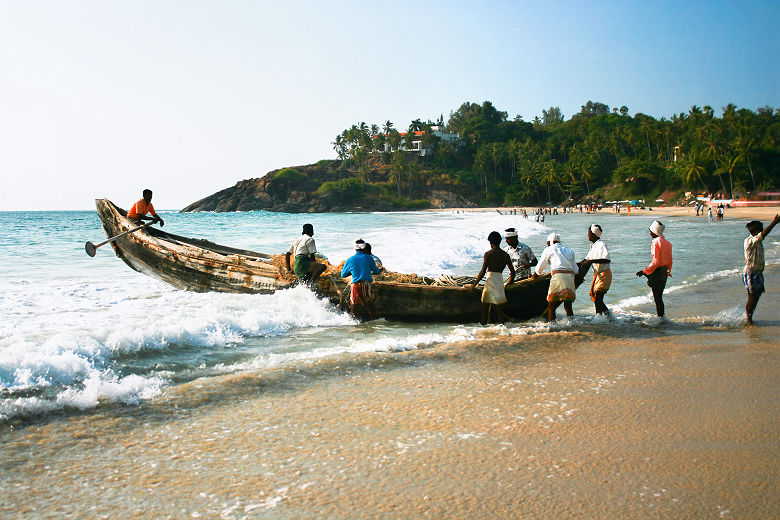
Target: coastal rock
x: 445, y: 199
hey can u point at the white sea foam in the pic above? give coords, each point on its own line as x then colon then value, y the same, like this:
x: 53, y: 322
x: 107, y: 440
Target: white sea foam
x: 96, y: 324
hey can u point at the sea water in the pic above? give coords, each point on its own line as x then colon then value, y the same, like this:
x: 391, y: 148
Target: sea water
x: 78, y: 333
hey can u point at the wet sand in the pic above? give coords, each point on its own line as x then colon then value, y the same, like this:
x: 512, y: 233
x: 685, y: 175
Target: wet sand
x: 660, y: 421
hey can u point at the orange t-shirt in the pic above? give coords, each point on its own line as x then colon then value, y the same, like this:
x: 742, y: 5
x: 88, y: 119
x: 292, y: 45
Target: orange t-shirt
x: 141, y: 208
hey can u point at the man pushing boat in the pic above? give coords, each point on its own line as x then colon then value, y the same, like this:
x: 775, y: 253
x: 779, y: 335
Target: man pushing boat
x: 493, y: 263
x: 303, y: 249
x: 563, y: 268
x: 360, y: 267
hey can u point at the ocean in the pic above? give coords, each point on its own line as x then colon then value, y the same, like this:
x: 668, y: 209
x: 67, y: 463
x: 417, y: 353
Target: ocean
x: 80, y: 333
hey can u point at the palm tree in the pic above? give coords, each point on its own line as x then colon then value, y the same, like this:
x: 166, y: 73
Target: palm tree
x: 644, y: 126
x: 496, y: 155
x: 745, y: 146
x: 398, y: 168
x: 513, y: 149
x: 394, y: 139
x: 340, y: 146
x: 713, y: 153
x: 480, y: 161
x: 387, y: 127
x: 729, y: 165
x: 693, y: 170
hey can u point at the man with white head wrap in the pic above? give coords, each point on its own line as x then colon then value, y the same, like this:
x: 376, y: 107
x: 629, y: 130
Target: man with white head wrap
x: 563, y: 268
x: 360, y: 266
x: 660, y: 267
x: 598, y: 258
x: 522, y: 257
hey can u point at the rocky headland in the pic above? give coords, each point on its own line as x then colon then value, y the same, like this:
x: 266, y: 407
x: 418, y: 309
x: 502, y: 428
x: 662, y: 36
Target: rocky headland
x: 326, y: 187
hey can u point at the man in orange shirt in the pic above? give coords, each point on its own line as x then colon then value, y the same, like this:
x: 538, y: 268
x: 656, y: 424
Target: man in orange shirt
x: 142, y: 207
x: 660, y: 267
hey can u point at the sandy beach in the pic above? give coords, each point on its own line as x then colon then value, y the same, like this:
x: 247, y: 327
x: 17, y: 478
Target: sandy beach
x: 679, y: 422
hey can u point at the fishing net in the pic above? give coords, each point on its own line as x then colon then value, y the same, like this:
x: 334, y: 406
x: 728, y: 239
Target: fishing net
x: 441, y: 280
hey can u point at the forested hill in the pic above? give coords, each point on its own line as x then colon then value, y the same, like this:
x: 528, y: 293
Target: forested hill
x: 480, y: 157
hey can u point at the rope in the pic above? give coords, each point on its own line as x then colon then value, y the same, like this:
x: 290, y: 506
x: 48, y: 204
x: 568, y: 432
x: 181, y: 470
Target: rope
x: 445, y: 280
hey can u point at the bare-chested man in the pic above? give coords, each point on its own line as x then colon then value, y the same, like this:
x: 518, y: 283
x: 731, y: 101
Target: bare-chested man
x: 493, y: 263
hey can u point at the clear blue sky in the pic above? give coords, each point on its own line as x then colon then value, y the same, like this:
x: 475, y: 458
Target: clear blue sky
x: 104, y: 98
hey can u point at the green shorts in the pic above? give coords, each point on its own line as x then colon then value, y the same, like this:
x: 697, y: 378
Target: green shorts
x: 301, y: 266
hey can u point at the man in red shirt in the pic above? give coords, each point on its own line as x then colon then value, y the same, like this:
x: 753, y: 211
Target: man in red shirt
x: 142, y: 207
x: 660, y: 267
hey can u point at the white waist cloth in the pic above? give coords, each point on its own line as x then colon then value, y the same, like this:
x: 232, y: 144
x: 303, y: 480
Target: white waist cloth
x: 494, y: 288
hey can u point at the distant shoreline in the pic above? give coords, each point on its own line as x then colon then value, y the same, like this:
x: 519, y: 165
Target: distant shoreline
x: 758, y: 213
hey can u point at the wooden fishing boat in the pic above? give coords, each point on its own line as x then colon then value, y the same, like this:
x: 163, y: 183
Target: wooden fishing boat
x: 428, y: 303
x: 200, y: 265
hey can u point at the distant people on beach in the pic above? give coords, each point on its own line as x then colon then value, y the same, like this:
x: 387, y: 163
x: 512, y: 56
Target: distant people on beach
x: 753, y: 274
x: 598, y: 258
x: 142, y: 207
x: 303, y: 250
x: 360, y: 267
x: 493, y: 263
x: 720, y: 211
x: 660, y: 267
x: 523, y: 258
x: 563, y: 268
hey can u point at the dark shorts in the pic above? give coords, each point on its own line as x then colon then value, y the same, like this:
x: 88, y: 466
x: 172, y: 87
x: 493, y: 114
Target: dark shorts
x: 754, y: 282
x: 657, y: 279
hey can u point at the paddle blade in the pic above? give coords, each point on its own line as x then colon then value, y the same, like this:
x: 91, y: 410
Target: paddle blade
x: 90, y: 248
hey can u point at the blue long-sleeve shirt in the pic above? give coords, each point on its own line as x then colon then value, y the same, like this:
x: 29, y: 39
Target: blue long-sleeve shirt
x: 360, y: 266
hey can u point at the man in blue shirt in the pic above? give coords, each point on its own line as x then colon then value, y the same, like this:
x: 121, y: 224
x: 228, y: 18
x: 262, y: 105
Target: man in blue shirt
x: 360, y: 266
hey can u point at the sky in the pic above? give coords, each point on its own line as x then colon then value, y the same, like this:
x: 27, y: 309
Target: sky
x: 104, y: 98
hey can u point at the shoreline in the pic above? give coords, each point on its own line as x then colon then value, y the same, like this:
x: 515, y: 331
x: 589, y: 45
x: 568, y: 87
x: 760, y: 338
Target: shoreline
x: 758, y: 213
x: 562, y: 425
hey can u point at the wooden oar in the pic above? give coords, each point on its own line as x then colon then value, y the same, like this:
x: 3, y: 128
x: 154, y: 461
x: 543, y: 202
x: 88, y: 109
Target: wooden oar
x: 92, y: 248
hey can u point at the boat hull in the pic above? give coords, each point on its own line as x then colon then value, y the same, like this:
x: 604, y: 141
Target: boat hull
x: 424, y: 303
x: 187, y: 263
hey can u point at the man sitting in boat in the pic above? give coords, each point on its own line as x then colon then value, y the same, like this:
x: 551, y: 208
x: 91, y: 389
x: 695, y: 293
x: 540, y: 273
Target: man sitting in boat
x: 522, y: 257
x: 563, y: 268
x: 360, y: 266
x: 142, y: 207
x: 303, y: 249
x: 493, y: 263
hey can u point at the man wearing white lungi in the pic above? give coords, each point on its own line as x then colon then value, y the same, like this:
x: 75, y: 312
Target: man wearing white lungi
x: 563, y: 268
x: 493, y: 263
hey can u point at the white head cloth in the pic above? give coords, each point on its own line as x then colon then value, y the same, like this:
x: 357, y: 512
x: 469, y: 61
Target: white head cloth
x: 553, y: 237
x: 510, y: 232
x: 657, y: 228
x: 359, y: 243
x: 595, y: 230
